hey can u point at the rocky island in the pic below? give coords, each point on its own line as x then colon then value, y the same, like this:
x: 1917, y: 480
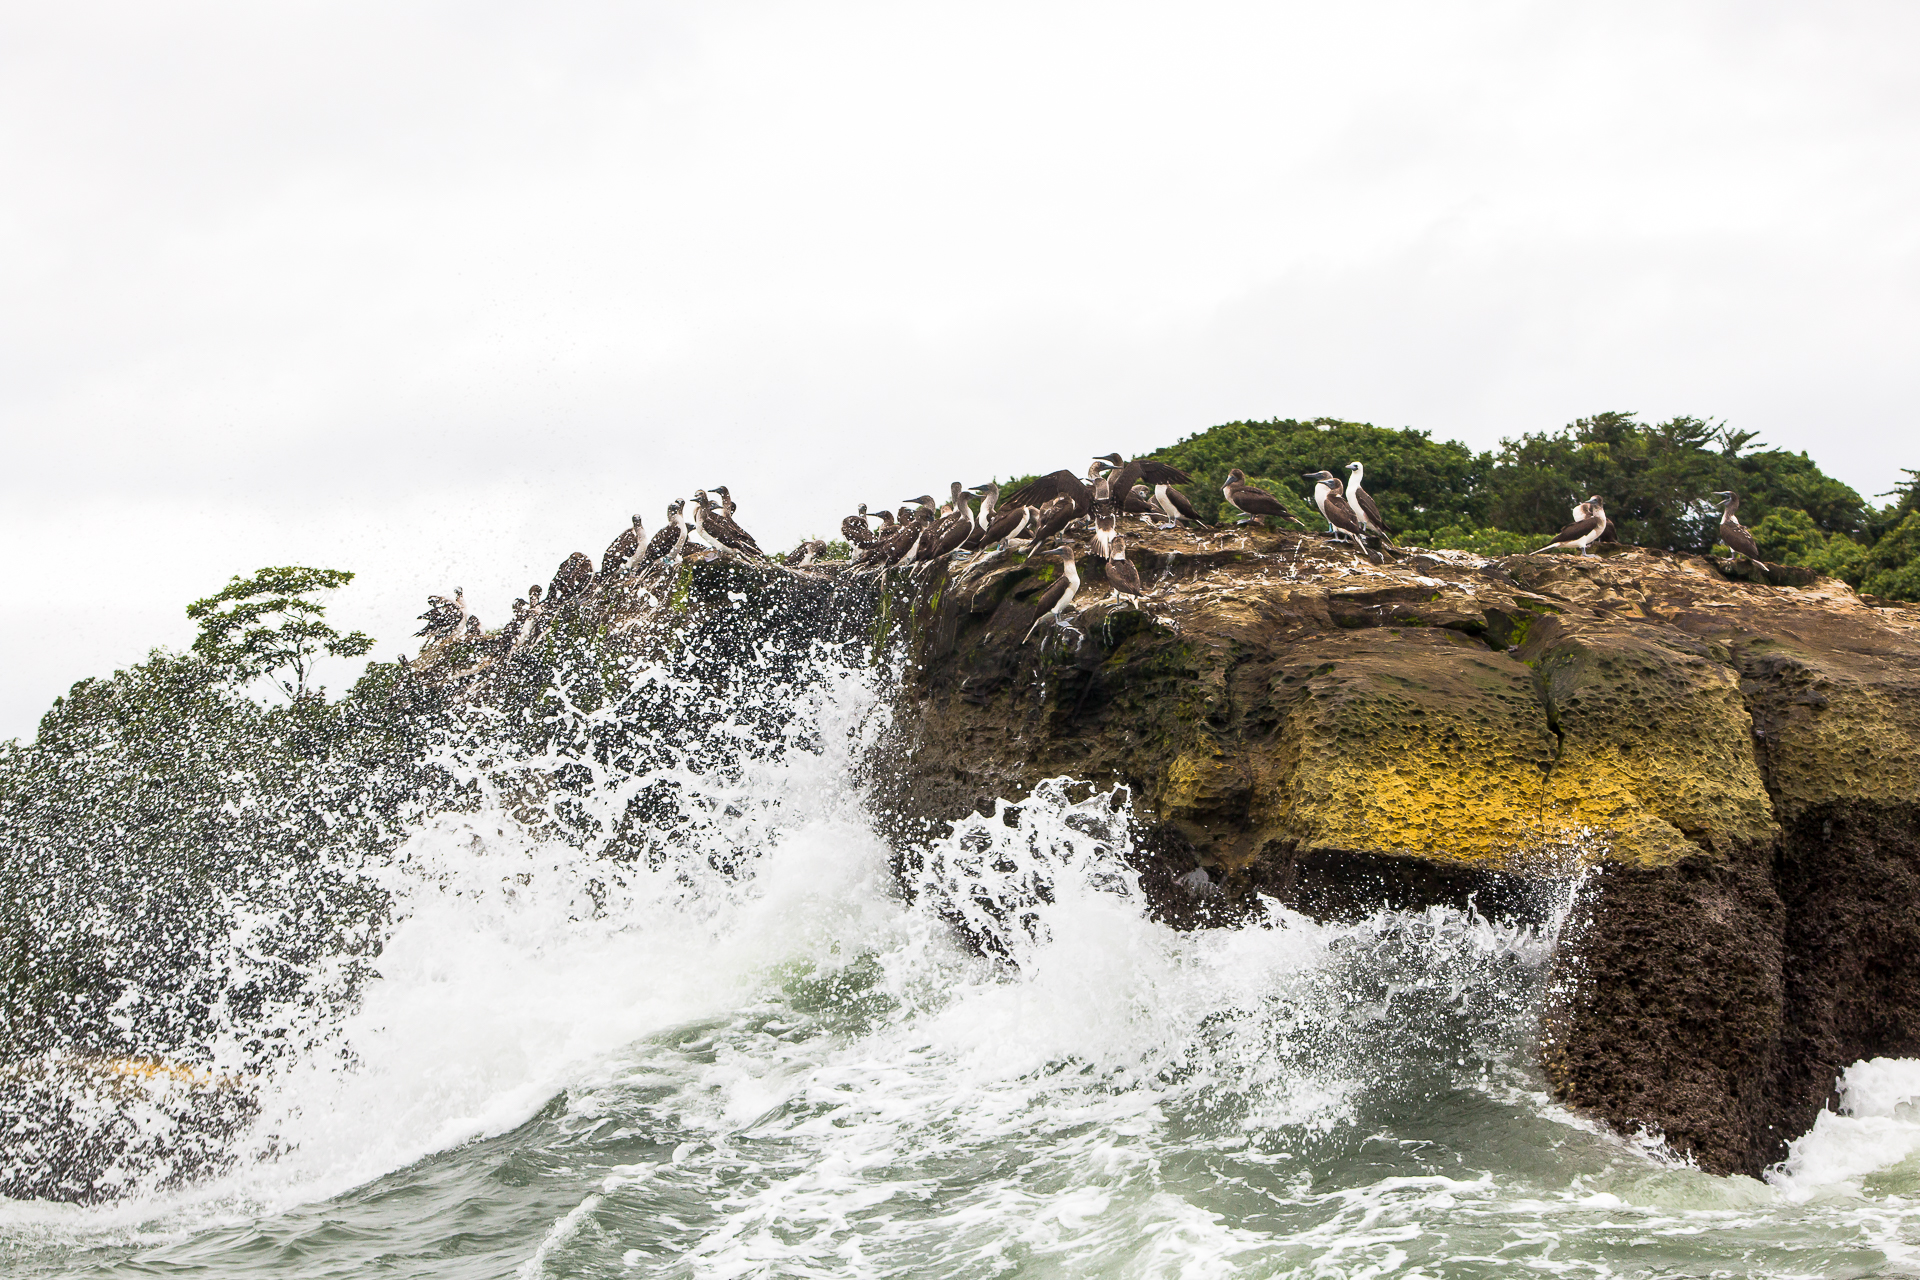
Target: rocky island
x: 1733, y: 765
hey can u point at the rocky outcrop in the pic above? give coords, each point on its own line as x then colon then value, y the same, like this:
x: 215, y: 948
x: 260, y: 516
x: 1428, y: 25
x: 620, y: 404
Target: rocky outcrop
x: 1736, y: 763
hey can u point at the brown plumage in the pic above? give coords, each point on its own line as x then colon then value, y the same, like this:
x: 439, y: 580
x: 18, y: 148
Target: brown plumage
x: 443, y: 614
x: 717, y: 526
x: 1365, y: 507
x: 1122, y: 574
x: 1125, y: 475
x: 1058, y: 484
x: 1328, y: 495
x: 1254, y: 501
x: 672, y: 538
x: 622, y: 549
x: 856, y: 530
x: 1058, y: 597
x: 1011, y: 523
x: 571, y: 578
x: 1053, y: 517
x: 1582, y: 533
x: 1732, y: 532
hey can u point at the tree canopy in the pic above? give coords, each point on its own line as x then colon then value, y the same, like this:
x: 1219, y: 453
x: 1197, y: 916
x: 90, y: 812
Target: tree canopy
x: 266, y: 626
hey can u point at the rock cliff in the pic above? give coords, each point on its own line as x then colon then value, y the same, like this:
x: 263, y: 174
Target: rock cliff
x: 1732, y: 764
x: 1735, y: 763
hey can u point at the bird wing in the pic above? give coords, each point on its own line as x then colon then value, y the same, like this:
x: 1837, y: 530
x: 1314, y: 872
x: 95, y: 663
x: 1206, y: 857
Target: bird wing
x: 1737, y: 537
x: 1255, y: 502
x: 1037, y: 493
x: 1124, y: 576
x: 1150, y: 471
x: 1341, y: 516
x: 856, y: 530
x: 1575, y: 531
x: 727, y: 531
x: 1185, y: 507
x: 1371, y: 510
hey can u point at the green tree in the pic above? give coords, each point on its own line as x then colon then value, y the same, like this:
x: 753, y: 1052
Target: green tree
x: 265, y: 626
x: 1418, y: 482
x: 1892, y: 565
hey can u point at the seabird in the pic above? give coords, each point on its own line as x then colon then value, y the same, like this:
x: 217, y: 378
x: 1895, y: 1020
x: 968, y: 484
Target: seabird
x: 1125, y: 475
x: 571, y: 578
x: 473, y: 626
x: 1054, y: 516
x: 1332, y: 502
x: 717, y: 527
x: 727, y: 504
x: 1175, y: 506
x: 1009, y: 524
x: 444, y: 615
x: 1058, y: 598
x: 1059, y: 484
x: 1106, y: 527
x: 621, y: 551
x: 1732, y: 532
x: 1365, y: 507
x: 1582, y: 533
x: 953, y: 530
x: 805, y: 553
x: 1582, y: 510
x: 856, y: 530
x: 671, y: 541
x: 1122, y: 574
x: 1242, y: 496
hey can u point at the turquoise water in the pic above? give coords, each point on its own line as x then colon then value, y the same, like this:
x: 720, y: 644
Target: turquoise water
x: 767, y: 1063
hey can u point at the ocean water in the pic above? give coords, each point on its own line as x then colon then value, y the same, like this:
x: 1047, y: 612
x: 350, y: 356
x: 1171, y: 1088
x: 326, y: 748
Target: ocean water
x: 748, y: 1054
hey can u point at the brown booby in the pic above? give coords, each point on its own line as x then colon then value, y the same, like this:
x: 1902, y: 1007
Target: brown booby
x: 856, y: 530
x: 1059, y: 484
x: 1176, y: 507
x: 1058, y: 598
x: 806, y: 552
x: 1125, y: 475
x: 1122, y: 574
x: 1582, y: 533
x: 444, y: 614
x: 717, y: 528
x: 621, y: 551
x: 1328, y: 495
x: 671, y: 541
x: 1242, y: 496
x: 1732, y: 532
x: 1365, y: 507
x: 1006, y: 525
x: 1054, y: 516
x: 571, y: 578
x: 1582, y: 510
x: 953, y: 530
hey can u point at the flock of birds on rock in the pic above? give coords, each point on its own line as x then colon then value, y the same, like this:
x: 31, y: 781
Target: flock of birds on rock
x: 1035, y: 519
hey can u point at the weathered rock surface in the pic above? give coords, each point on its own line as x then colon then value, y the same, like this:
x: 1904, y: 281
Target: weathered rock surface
x: 1737, y: 761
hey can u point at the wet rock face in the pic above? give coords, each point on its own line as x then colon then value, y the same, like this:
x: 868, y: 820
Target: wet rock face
x: 1740, y: 758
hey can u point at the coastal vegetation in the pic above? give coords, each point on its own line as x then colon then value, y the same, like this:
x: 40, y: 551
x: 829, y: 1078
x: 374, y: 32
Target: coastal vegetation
x: 1657, y: 480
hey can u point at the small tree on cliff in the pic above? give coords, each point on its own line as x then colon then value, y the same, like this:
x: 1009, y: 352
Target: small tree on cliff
x: 265, y: 626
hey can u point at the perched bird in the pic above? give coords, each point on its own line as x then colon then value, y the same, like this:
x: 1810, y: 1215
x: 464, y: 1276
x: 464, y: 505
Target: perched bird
x: 1365, y: 507
x: 473, y: 626
x: 1052, y: 517
x: 806, y: 552
x: 1007, y: 525
x: 903, y: 543
x: 727, y: 504
x: 622, y: 550
x: 1139, y: 502
x: 856, y: 530
x: 1106, y: 528
x: 953, y: 530
x: 717, y: 528
x: 1328, y: 496
x: 1176, y: 507
x: 1058, y: 598
x: 1125, y: 475
x: 1122, y: 574
x: 1732, y: 532
x: 444, y: 615
x: 1059, y: 484
x: 1582, y: 510
x: 671, y: 541
x: 1242, y: 496
x: 1582, y: 533
x: 571, y: 578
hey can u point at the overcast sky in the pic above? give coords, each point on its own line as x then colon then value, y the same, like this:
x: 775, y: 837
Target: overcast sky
x: 442, y: 292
